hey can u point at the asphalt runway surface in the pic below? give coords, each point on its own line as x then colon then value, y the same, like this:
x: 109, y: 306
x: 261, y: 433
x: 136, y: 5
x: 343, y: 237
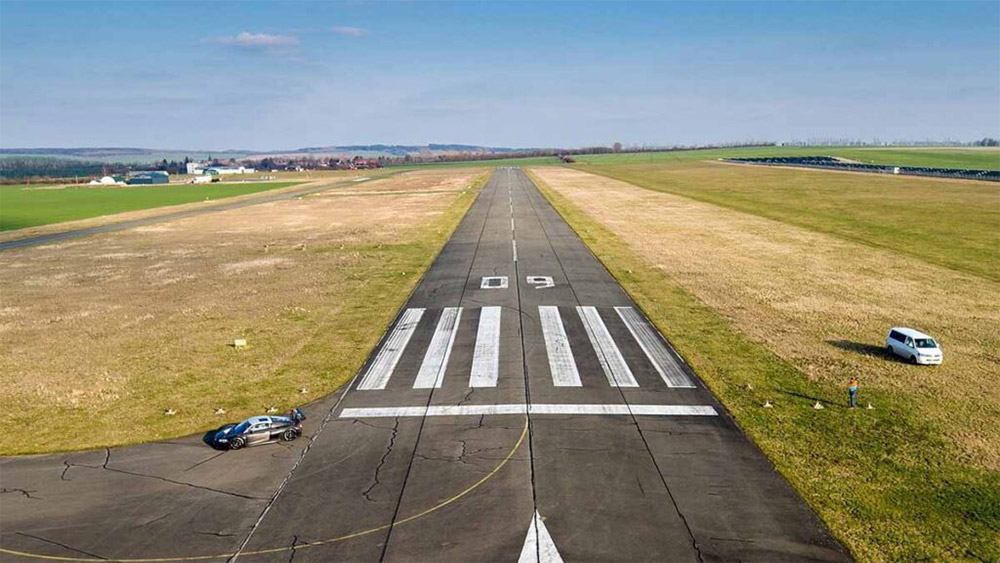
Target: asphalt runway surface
x: 519, y: 408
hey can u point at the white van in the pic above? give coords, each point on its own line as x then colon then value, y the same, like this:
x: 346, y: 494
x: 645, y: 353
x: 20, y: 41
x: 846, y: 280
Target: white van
x: 914, y: 346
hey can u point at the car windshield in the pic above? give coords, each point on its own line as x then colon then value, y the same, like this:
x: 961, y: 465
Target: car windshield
x: 241, y: 427
x: 926, y: 343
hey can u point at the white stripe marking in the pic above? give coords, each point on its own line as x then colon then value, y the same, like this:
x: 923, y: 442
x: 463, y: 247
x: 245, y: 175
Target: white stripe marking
x: 385, y: 362
x: 512, y: 224
x: 486, y: 358
x: 654, y: 348
x: 435, y: 362
x: 480, y: 410
x: 538, y: 545
x: 561, y: 361
x: 615, y: 368
x: 514, y: 246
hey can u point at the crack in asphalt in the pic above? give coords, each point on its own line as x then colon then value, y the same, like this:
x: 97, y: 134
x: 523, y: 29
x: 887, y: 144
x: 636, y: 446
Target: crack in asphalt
x: 292, y: 550
x: 153, y: 520
x: 368, y: 424
x: 216, y: 534
x: 388, y: 450
x: 105, y: 467
x: 467, y: 396
x: 62, y: 545
x: 25, y: 492
x: 204, y: 461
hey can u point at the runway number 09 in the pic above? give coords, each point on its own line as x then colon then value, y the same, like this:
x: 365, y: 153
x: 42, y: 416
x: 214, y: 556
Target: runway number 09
x: 541, y: 282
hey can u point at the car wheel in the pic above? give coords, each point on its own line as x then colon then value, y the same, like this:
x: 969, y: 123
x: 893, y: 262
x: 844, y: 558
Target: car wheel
x: 888, y: 350
x: 289, y: 435
x: 237, y: 443
x: 913, y: 360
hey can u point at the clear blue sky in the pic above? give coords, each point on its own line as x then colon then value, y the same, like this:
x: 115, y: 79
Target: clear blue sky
x: 269, y: 75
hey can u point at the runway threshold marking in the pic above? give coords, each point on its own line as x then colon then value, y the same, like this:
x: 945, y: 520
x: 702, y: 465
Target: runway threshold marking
x: 538, y: 545
x: 435, y: 362
x: 381, y: 369
x: 608, y: 354
x: 520, y: 408
x: 562, y: 364
x: 653, y: 346
x: 486, y: 356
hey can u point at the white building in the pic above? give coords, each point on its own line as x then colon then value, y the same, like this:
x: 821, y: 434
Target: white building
x: 223, y: 170
x: 195, y: 168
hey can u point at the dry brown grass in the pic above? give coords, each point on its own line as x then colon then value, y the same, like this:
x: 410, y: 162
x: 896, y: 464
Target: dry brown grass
x: 100, y: 335
x: 315, y: 180
x: 819, y: 301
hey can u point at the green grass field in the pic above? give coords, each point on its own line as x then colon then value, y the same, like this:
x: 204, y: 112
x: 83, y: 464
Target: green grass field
x: 943, y: 157
x: 24, y: 206
x: 887, y: 482
x: 952, y: 224
x: 973, y: 158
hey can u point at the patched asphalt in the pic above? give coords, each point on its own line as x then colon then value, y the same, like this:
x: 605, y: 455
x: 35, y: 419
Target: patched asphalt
x: 648, y: 471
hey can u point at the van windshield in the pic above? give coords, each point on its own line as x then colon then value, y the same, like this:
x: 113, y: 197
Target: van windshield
x: 926, y: 343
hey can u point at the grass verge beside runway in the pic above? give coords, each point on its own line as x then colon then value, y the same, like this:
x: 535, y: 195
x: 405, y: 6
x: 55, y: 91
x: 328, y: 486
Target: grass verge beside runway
x: 949, y: 223
x: 24, y: 206
x: 890, y: 482
x: 979, y: 158
x: 102, y: 335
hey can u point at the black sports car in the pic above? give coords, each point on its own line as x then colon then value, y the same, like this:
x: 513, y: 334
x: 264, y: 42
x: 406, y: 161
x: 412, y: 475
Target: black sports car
x: 260, y: 430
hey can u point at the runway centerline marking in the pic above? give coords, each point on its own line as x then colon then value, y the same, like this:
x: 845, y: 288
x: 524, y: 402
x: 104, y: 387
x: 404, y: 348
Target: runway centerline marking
x: 435, y: 362
x: 486, y: 356
x: 381, y: 369
x: 513, y: 244
x: 610, y: 357
x: 521, y: 408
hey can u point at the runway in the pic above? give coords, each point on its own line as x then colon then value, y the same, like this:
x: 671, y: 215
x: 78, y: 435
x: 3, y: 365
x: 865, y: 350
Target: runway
x: 519, y: 408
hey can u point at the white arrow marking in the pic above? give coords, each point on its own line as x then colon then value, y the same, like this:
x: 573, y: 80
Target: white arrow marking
x: 538, y: 544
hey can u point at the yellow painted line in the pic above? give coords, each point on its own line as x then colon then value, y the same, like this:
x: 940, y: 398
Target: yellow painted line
x: 435, y: 508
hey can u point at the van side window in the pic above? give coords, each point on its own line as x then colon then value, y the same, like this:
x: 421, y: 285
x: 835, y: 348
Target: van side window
x: 897, y: 336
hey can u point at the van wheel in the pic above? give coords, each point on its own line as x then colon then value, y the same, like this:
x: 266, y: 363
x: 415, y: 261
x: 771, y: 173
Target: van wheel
x: 913, y: 360
x: 888, y: 350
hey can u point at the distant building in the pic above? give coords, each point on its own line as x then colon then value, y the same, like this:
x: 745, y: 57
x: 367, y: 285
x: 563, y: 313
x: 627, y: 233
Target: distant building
x: 224, y: 170
x: 152, y: 177
x: 106, y: 181
x: 195, y: 168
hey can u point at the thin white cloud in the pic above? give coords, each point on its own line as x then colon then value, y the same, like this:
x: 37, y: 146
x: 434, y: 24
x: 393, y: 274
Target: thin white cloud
x: 250, y: 40
x: 350, y: 31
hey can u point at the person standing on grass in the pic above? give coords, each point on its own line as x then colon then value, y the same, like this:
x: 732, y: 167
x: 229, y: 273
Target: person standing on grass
x: 852, y: 392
